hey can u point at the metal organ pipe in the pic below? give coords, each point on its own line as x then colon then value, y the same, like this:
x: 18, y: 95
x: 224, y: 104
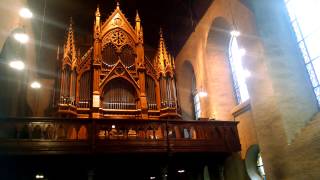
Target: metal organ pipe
x: 119, y: 94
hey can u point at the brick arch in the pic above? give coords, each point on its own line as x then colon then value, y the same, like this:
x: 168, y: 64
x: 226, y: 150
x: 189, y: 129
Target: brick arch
x: 219, y: 78
x: 186, y: 88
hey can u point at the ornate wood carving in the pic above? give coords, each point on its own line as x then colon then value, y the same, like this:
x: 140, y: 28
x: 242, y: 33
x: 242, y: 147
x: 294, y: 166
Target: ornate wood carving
x: 117, y: 57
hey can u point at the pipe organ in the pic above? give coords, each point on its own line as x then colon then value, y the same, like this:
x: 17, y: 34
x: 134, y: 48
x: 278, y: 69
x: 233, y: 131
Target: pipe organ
x: 114, y: 78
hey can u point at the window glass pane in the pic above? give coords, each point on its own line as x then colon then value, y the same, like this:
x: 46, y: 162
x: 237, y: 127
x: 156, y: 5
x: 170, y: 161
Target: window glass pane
x: 316, y: 67
x: 297, y: 30
x: 197, y: 108
x: 317, y: 92
x: 260, y: 166
x: 304, y: 52
x: 304, y: 17
x: 313, y: 45
x: 291, y: 7
x: 238, y: 72
x: 312, y: 75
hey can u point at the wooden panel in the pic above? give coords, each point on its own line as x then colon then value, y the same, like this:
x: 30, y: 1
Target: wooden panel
x: 49, y: 135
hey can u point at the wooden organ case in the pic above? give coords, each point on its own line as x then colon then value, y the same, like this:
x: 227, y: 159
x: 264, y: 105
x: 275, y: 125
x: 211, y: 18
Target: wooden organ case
x: 114, y: 79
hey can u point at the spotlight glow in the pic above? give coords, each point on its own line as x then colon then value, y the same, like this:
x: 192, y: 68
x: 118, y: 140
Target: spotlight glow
x: 235, y: 33
x: 25, y: 13
x: 17, y: 64
x: 246, y: 73
x: 181, y: 171
x: 152, y: 177
x: 35, y: 85
x: 21, y: 37
x: 113, y: 126
x: 39, y: 176
x: 242, y: 52
x: 203, y: 94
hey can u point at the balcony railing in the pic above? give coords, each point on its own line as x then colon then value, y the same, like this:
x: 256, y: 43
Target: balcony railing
x: 52, y: 135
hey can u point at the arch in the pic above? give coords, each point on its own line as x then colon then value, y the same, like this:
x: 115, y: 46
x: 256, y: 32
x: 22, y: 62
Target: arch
x: 119, y: 94
x: 219, y: 35
x: 186, y: 89
x: 118, y: 37
x: 11, y: 80
x: 251, y: 162
x: 12, y: 49
x: 128, y: 79
x: 218, y: 71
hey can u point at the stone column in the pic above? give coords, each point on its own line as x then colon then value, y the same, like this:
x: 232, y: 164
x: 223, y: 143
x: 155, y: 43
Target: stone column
x: 281, y: 94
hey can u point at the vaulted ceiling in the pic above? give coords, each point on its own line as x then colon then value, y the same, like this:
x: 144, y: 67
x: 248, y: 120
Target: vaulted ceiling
x: 178, y: 18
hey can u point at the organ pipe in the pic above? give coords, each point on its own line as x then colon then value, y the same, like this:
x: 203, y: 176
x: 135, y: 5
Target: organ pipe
x: 119, y: 94
x: 151, y: 93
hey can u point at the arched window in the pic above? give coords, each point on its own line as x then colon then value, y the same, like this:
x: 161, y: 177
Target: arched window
x: 239, y: 74
x: 254, y: 163
x: 304, y: 20
x: 260, y: 166
x: 196, y: 98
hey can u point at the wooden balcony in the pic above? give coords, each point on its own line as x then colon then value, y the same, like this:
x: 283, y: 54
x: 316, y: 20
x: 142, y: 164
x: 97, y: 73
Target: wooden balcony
x: 89, y: 136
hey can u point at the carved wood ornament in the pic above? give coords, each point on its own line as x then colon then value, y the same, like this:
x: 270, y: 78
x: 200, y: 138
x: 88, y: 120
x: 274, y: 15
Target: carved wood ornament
x: 114, y: 79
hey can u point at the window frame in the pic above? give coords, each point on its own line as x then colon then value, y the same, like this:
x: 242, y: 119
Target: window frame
x: 304, y: 47
x: 239, y: 88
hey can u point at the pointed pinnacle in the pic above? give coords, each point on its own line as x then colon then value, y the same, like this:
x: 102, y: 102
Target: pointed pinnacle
x: 161, y: 33
x: 98, y: 11
x: 70, y: 25
x: 137, y: 16
x: 118, y: 4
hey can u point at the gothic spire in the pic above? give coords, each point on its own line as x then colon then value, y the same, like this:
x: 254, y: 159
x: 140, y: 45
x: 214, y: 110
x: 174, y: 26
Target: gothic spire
x: 69, y: 46
x: 163, y: 59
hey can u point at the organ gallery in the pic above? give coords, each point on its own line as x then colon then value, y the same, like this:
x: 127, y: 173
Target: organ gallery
x: 114, y: 78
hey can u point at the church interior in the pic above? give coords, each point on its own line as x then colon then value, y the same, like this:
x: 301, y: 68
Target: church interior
x: 170, y: 90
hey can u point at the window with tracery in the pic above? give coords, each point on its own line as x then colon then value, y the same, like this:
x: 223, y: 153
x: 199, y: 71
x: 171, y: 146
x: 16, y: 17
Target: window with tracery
x: 239, y: 74
x: 260, y: 167
x: 304, y: 20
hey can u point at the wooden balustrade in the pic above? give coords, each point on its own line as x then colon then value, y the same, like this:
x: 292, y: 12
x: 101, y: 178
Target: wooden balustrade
x: 51, y: 135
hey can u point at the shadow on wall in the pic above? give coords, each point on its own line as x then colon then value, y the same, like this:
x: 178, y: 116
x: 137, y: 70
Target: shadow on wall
x: 234, y: 168
x: 187, y: 88
x: 13, y: 80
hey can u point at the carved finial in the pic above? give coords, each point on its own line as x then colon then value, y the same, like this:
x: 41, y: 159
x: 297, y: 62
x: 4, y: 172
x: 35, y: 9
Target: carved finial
x: 137, y: 16
x: 161, y: 33
x: 98, y: 11
x: 118, y: 4
x: 70, y: 24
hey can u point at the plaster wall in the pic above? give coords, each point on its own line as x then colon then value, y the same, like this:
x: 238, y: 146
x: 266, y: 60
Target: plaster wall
x: 281, y: 98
